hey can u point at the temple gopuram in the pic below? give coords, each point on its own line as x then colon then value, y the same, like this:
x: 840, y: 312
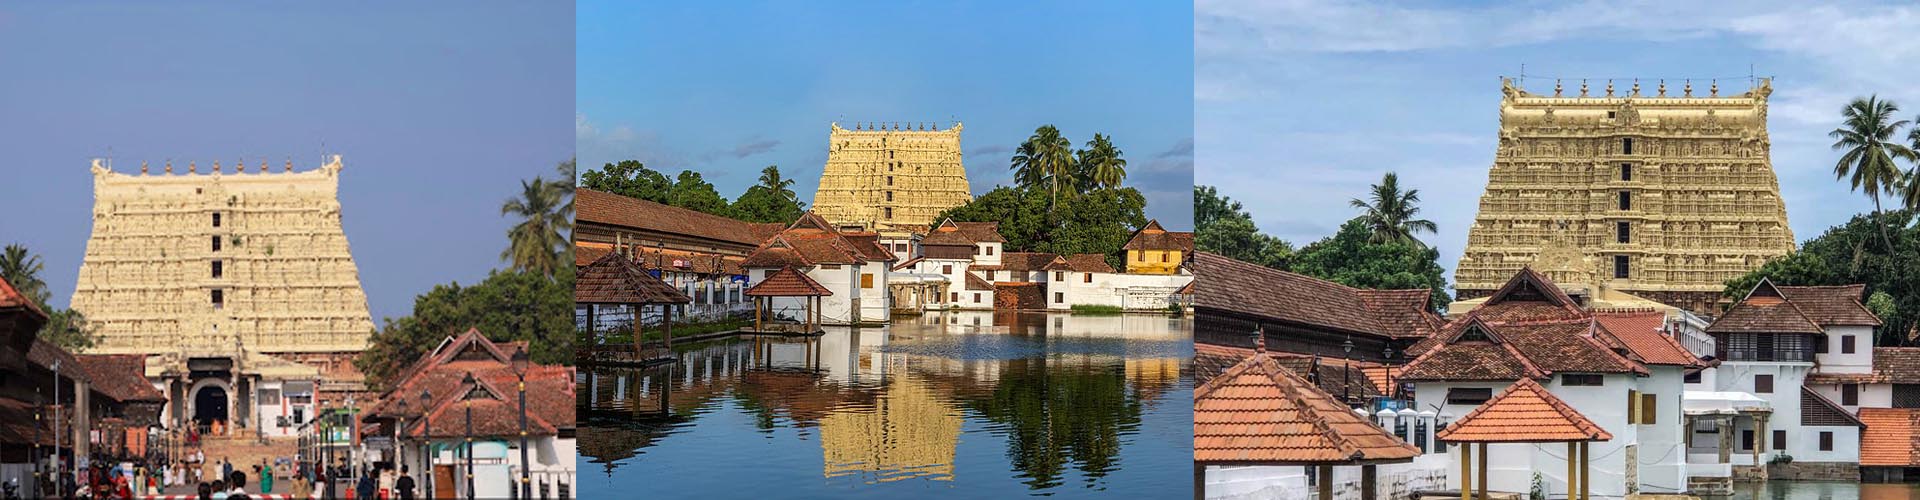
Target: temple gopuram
x: 237, y: 286
x: 1664, y: 195
x: 891, y: 177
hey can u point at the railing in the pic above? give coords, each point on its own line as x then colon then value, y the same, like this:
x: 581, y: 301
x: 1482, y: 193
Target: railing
x: 1803, y: 354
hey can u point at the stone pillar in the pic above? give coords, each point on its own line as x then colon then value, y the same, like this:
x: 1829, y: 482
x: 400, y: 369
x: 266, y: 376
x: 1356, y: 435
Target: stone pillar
x: 1725, y: 422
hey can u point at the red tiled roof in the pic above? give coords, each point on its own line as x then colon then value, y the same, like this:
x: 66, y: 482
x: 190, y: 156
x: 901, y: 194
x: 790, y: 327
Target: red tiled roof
x: 1350, y: 378
x: 811, y: 241
x: 1453, y: 359
x: 1529, y: 296
x: 1524, y: 413
x: 1898, y: 365
x: 615, y: 280
x: 688, y: 262
x: 12, y: 299
x: 1832, y: 305
x: 1080, y: 263
x: 550, y: 392
x: 982, y: 232
x: 1817, y: 410
x: 585, y: 253
x: 788, y: 282
x: 1019, y: 262
x: 1154, y: 237
x: 950, y: 232
x: 1258, y: 412
x: 122, y: 377
x: 1764, y: 310
x: 44, y: 353
x: 611, y: 209
x: 1892, y: 437
x: 20, y: 319
x: 1640, y: 334
x: 1254, y: 290
x: 17, y: 424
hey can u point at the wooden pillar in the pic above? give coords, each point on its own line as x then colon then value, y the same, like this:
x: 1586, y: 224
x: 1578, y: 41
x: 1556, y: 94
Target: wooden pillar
x: 1199, y: 481
x: 1572, y: 451
x: 756, y: 314
x: 1369, y: 481
x: 1466, y: 470
x: 666, y: 320
x: 639, y: 334
x: 1326, y: 482
x: 1483, y: 471
x: 1586, y: 471
x: 590, y: 332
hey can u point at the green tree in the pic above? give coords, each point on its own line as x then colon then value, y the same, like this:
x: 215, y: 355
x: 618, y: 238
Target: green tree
x: 1389, y: 213
x: 1866, y: 139
x: 1847, y: 254
x: 68, y: 329
x: 1101, y: 164
x: 508, y: 306
x: 772, y: 200
x: 692, y: 192
x: 1097, y: 223
x: 1351, y: 257
x: 22, y: 269
x: 631, y: 179
x: 778, y: 186
x: 1222, y: 227
x: 536, y: 243
x: 1044, y: 158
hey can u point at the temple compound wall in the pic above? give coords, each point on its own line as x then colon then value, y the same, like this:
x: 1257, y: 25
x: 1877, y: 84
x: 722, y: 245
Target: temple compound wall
x: 882, y: 177
x: 238, y: 285
x: 1663, y: 196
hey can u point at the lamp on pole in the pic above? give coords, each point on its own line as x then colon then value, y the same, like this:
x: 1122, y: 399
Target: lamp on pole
x: 426, y: 422
x: 353, y: 437
x: 35, y: 457
x: 467, y: 384
x: 56, y: 426
x: 1346, y: 381
x: 400, y: 434
x: 520, y: 362
x: 1386, y: 356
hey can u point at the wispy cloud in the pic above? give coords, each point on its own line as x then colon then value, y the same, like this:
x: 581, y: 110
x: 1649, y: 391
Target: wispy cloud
x: 989, y: 150
x: 1184, y: 148
x: 754, y: 147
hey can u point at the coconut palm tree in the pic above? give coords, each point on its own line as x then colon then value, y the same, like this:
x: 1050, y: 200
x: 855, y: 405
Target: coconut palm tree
x: 1866, y: 140
x: 780, y: 187
x: 1046, y: 157
x: 1101, y: 164
x: 1390, y: 213
x: 22, y: 270
x: 536, y: 243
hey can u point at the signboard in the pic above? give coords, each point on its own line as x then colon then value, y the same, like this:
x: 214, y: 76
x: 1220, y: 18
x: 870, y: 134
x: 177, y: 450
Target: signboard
x: 378, y: 442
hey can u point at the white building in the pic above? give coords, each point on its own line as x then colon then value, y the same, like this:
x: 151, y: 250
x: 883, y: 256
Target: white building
x: 852, y: 265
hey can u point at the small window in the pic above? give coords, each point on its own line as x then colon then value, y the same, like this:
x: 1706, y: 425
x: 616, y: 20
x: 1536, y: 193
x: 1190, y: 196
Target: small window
x: 946, y: 269
x: 1474, y: 332
x: 866, y: 280
x: 1691, y: 378
x: 216, y: 219
x: 1059, y: 298
x: 889, y: 195
x: 989, y: 250
x: 219, y: 299
x: 956, y: 297
x: 976, y: 297
x: 1626, y: 172
x: 216, y: 269
x: 1846, y: 344
x: 1820, y: 344
x: 1779, y: 440
x: 887, y: 212
x: 1163, y: 256
x: 1059, y: 276
x: 1763, y: 384
x: 216, y: 243
x: 889, y: 180
x: 991, y: 274
x: 1649, y: 409
x: 1746, y: 440
x: 1626, y: 146
x: 1581, y: 380
x: 1468, y: 395
x: 1626, y: 200
x: 1620, y: 266
x: 1850, y: 394
x: 1622, y: 232
x: 1087, y: 279
x: 1826, y: 441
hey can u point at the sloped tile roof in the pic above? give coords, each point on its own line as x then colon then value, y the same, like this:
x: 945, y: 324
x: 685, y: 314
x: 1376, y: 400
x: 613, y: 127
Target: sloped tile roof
x: 1154, y: 237
x: 550, y: 392
x: 585, y: 253
x: 12, y: 299
x: 1892, y: 437
x: 1819, y: 411
x: 1258, y: 412
x: 615, y: 280
x: 1566, y: 347
x: 1764, y: 310
x: 982, y: 232
x: 1335, y: 376
x: 788, y: 282
x: 1832, y: 305
x: 1640, y: 334
x: 122, y: 377
x: 1529, y: 296
x: 1524, y: 413
x: 616, y: 210
x: 975, y: 282
x: 1254, y: 290
x: 1081, y: 263
x: 1898, y: 365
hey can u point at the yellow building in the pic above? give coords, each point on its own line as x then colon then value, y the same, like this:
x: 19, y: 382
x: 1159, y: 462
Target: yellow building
x: 879, y: 178
x: 1155, y: 250
x: 1664, y: 196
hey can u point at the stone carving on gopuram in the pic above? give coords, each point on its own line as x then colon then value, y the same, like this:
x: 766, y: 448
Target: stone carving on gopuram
x: 891, y: 176
x: 1663, y: 196
x: 239, y: 281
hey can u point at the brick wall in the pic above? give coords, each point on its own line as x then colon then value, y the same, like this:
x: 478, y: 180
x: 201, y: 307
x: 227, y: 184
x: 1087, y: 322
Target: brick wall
x: 1024, y: 295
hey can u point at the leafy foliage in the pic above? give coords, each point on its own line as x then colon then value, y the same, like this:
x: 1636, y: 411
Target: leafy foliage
x: 537, y: 242
x: 693, y: 192
x: 772, y: 200
x: 631, y: 179
x: 1866, y: 137
x: 1097, y: 222
x: 1851, y: 253
x: 1351, y: 257
x: 1222, y: 227
x: 1389, y: 212
x: 66, y: 328
x: 508, y: 306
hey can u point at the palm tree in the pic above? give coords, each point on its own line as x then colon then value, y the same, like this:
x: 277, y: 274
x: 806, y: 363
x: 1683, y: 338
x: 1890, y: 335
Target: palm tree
x: 1045, y: 157
x: 535, y: 243
x: 782, y: 188
x: 1866, y: 137
x: 22, y: 270
x: 1102, y: 164
x: 1391, y: 213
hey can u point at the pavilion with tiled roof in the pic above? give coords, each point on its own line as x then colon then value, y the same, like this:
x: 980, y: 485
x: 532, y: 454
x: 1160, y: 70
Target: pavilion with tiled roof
x: 787, y: 282
x: 1259, y: 412
x: 613, y: 280
x: 1305, y: 314
x: 1524, y: 413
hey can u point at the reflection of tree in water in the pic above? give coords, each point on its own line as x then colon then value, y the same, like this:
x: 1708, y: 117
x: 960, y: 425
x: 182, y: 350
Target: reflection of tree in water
x: 1060, y: 416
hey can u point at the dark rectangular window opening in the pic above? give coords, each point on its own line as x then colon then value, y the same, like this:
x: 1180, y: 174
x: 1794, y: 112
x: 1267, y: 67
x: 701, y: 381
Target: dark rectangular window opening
x: 1623, y: 232
x: 1059, y: 298
x: 1846, y: 344
x: 1850, y: 394
x: 1691, y: 378
x: 1620, y: 266
x: 1626, y: 172
x: 889, y: 195
x: 1779, y: 440
x: 216, y: 269
x: 1581, y: 379
x: 216, y: 243
x: 1088, y: 278
x: 1626, y: 146
x: 1826, y: 441
x: 1059, y: 276
x: 888, y: 212
x: 219, y: 299
x: 216, y: 219
x: 1626, y: 200
x: 1763, y: 384
x: 1746, y: 440
x: 1468, y: 395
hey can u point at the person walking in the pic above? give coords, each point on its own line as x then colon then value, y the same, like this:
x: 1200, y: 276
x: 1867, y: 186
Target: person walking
x: 404, y: 485
x: 365, y: 488
x: 266, y: 477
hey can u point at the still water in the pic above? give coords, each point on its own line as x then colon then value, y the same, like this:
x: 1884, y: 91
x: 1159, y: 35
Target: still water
x: 947, y: 405
x: 1820, y: 490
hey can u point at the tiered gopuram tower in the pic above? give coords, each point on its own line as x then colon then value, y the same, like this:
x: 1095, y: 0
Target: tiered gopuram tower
x: 892, y: 175
x: 1665, y: 195
x: 237, y: 280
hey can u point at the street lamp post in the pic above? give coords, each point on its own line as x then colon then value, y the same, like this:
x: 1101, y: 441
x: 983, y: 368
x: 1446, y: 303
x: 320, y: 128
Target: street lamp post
x: 400, y: 433
x: 353, y: 437
x: 520, y: 363
x: 37, y: 472
x: 426, y: 423
x: 467, y: 384
x: 56, y: 426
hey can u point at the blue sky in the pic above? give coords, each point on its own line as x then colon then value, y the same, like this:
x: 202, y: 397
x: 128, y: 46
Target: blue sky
x: 1300, y: 105
x: 438, y: 112
x: 727, y: 89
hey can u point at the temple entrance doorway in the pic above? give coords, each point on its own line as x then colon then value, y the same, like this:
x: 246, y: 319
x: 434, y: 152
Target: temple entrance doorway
x: 209, y: 404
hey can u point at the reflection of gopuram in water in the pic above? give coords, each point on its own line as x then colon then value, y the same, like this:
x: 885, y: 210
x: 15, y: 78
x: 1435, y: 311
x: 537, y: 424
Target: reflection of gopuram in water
x: 889, y: 404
